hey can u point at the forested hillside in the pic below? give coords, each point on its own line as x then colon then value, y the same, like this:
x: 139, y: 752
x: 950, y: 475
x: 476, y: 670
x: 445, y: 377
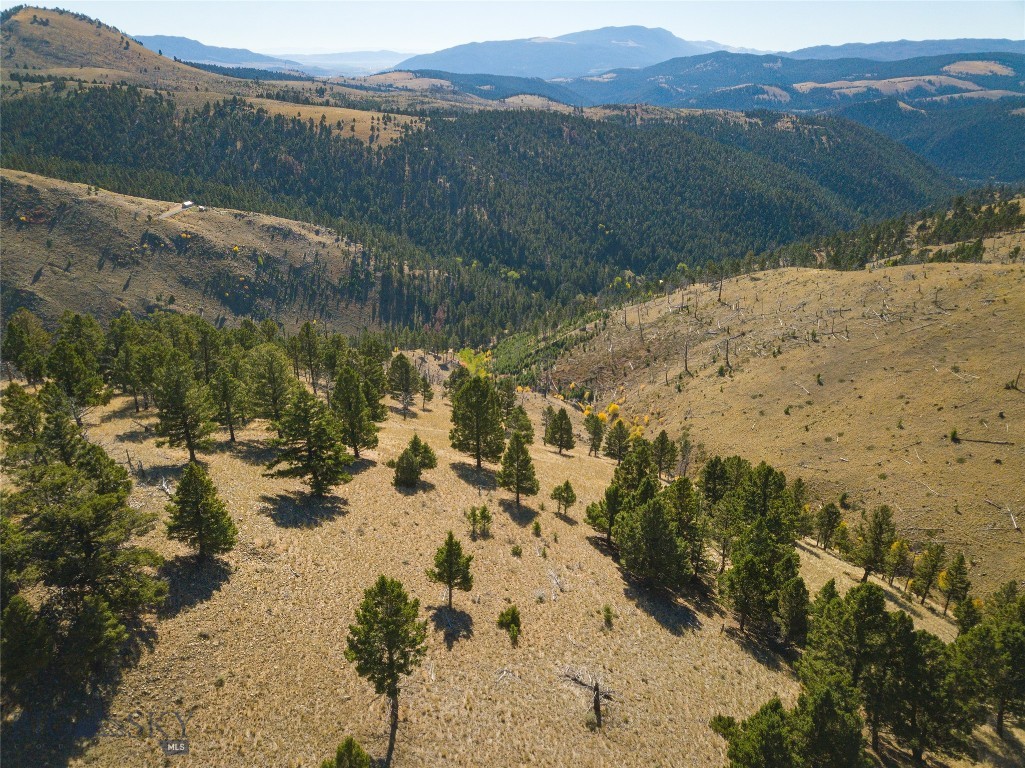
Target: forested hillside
x: 528, y: 207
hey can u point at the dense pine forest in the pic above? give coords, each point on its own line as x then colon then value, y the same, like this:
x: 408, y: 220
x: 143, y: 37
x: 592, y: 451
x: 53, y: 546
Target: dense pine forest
x: 489, y: 219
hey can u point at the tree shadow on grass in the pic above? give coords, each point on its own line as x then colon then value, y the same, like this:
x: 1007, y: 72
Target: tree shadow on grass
x: 521, y: 515
x: 191, y: 581
x: 301, y: 510
x: 765, y: 651
x: 566, y: 518
x: 665, y: 608
x: 423, y: 486
x: 410, y: 415
x: 250, y: 451
x: 482, y: 479
x: 53, y: 720
x: 360, y: 465
x: 455, y: 623
x: 126, y: 409
x: 57, y: 720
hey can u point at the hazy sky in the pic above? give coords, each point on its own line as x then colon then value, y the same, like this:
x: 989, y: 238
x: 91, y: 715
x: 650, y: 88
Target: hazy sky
x: 426, y: 25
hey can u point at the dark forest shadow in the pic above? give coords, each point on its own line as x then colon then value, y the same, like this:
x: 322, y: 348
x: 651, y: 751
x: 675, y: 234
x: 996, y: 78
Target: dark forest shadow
x: 521, y: 515
x: 191, y: 581
x: 663, y: 607
x: 302, y: 510
x: 455, y: 623
x: 482, y: 479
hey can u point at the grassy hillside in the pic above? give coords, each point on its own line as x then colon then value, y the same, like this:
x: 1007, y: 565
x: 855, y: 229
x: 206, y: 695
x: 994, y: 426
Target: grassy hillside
x: 853, y: 380
x: 253, y: 648
x: 67, y: 246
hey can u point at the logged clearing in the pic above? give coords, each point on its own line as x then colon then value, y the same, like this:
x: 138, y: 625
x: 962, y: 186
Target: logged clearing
x: 254, y: 648
x: 853, y: 381
x: 66, y: 247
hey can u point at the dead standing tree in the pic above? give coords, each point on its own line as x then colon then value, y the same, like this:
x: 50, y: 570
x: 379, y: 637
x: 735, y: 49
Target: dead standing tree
x: 598, y: 692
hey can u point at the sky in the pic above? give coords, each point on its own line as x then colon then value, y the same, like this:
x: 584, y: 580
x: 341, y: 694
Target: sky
x: 414, y: 26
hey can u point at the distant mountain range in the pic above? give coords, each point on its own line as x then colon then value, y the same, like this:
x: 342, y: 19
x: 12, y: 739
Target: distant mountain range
x: 580, y: 54
x: 908, y: 49
x: 321, y: 64
x: 566, y: 56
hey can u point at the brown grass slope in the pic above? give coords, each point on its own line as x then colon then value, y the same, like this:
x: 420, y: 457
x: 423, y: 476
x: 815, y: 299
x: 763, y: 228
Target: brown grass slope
x: 255, y: 650
x: 853, y: 381
x: 69, y: 46
x: 65, y: 247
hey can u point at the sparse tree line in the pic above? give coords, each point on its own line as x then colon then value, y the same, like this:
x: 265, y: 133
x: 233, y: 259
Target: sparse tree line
x: 68, y: 531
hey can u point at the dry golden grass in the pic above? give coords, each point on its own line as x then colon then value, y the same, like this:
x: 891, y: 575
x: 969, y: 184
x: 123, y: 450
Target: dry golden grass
x: 978, y: 68
x: 255, y: 652
x: 905, y: 355
x: 890, y: 86
x: 96, y: 260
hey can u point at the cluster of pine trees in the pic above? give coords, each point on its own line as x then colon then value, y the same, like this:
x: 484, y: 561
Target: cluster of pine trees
x: 864, y: 666
x: 68, y: 532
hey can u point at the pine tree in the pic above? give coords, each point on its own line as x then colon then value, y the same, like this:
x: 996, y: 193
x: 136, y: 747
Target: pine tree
x: 477, y: 421
x: 663, y: 453
x: 792, y: 611
x: 603, y: 514
x: 231, y: 399
x: 825, y: 729
x: 547, y: 418
x: 426, y: 392
x: 349, y: 403
x: 954, y: 583
x: 452, y: 567
x: 826, y: 520
x: 617, y: 440
x: 562, y: 431
x: 387, y: 642
x: 595, y: 433
x: 758, y: 742
x: 898, y: 561
x: 310, y: 352
x: 927, y: 569
x: 77, y: 374
x: 417, y: 457
x: 517, y: 472
x: 519, y: 421
x: 185, y: 411
x: 349, y: 755
x: 271, y: 384
x: 873, y: 540
x: 564, y: 497
x: 26, y: 344
x: 649, y: 547
x: 403, y: 382
x: 407, y: 470
x: 506, y: 396
x: 311, y: 444
x: 198, y: 517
